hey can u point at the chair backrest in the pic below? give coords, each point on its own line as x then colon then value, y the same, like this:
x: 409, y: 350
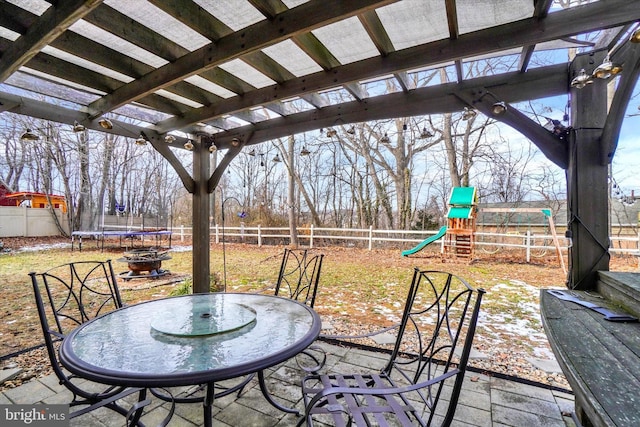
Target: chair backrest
x: 71, y: 294
x: 435, y: 335
x: 299, y: 275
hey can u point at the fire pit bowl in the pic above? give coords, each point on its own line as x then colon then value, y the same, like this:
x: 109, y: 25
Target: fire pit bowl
x: 144, y: 260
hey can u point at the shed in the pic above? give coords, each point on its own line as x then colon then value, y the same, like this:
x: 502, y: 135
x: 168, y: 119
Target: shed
x: 38, y: 200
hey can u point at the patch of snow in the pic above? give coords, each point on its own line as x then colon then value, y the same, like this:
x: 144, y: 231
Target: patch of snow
x: 37, y: 248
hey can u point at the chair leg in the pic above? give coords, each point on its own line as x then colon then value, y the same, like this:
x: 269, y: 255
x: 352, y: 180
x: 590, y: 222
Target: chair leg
x: 134, y: 414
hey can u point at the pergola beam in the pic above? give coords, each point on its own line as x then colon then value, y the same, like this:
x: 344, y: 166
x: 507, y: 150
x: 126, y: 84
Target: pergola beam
x: 513, y: 87
x: 194, y: 16
x: 119, y: 24
x: 56, y: 20
x: 296, y: 21
x: 372, y: 24
x: 525, y: 32
x: 554, y: 147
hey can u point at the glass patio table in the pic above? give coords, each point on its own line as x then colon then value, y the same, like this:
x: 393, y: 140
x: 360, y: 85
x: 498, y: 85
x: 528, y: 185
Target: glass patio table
x: 190, y: 340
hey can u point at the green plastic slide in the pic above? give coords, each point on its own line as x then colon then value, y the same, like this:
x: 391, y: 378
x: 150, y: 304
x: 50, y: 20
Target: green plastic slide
x: 442, y: 232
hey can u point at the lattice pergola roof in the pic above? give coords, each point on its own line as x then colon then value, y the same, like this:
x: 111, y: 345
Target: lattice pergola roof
x: 255, y: 70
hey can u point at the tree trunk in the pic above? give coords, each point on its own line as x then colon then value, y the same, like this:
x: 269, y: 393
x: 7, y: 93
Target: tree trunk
x: 291, y: 194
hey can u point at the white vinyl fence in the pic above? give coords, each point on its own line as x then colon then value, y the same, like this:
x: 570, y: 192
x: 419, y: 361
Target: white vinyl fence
x: 21, y: 221
x: 534, y: 244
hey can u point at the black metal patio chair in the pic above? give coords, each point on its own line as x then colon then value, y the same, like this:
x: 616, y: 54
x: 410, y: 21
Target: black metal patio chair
x: 298, y: 279
x: 440, y: 315
x: 67, y: 296
x: 299, y: 276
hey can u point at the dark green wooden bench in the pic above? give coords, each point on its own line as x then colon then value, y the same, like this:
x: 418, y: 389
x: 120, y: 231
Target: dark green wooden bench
x: 601, y: 359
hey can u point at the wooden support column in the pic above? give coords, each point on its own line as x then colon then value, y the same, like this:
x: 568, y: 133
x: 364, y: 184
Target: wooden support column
x: 587, y: 179
x: 201, y: 212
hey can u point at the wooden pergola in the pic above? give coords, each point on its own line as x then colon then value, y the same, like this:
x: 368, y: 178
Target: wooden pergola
x: 226, y: 73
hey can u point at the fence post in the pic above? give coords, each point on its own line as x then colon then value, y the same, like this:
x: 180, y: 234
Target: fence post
x: 311, y: 237
x: 528, y: 244
x: 259, y: 236
x: 370, y: 237
x: 217, y: 234
x: 182, y: 233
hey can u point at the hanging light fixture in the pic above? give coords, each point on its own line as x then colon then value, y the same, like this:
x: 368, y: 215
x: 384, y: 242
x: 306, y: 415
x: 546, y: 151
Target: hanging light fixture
x: 188, y: 145
x: 77, y: 127
x: 606, y: 69
x: 252, y: 153
x: 169, y: 138
x: 498, y: 108
x: 141, y: 140
x: 212, y: 147
x: 331, y: 133
x: 581, y: 80
x: 29, y: 136
x: 105, y: 123
x: 384, y: 139
x: 277, y: 159
x: 305, y: 152
x: 468, y: 113
x: 425, y: 133
x: 555, y: 126
x: 351, y: 130
x: 635, y: 36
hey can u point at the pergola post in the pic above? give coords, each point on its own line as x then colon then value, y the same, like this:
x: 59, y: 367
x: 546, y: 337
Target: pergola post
x: 587, y: 179
x: 201, y: 212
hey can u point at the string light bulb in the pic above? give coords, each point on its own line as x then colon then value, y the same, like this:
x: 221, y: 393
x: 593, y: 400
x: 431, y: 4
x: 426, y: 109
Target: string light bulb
x: 105, y: 123
x: 581, y: 80
x: 77, y: 127
x: 29, y: 136
x: 607, y: 69
x: 499, y: 108
x: 468, y: 113
x: 425, y: 134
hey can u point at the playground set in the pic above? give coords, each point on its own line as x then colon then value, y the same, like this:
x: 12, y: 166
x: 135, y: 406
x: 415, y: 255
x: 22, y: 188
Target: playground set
x: 458, y: 237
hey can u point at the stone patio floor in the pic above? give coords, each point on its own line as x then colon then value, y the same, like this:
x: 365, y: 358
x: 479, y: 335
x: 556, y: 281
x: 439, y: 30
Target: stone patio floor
x: 485, y: 401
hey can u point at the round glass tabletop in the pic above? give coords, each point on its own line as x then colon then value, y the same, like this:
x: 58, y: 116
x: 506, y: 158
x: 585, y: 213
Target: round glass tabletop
x: 190, y: 339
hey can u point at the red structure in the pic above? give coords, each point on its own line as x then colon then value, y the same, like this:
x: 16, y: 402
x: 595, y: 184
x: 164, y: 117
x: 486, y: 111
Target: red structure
x: 4, y: 191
